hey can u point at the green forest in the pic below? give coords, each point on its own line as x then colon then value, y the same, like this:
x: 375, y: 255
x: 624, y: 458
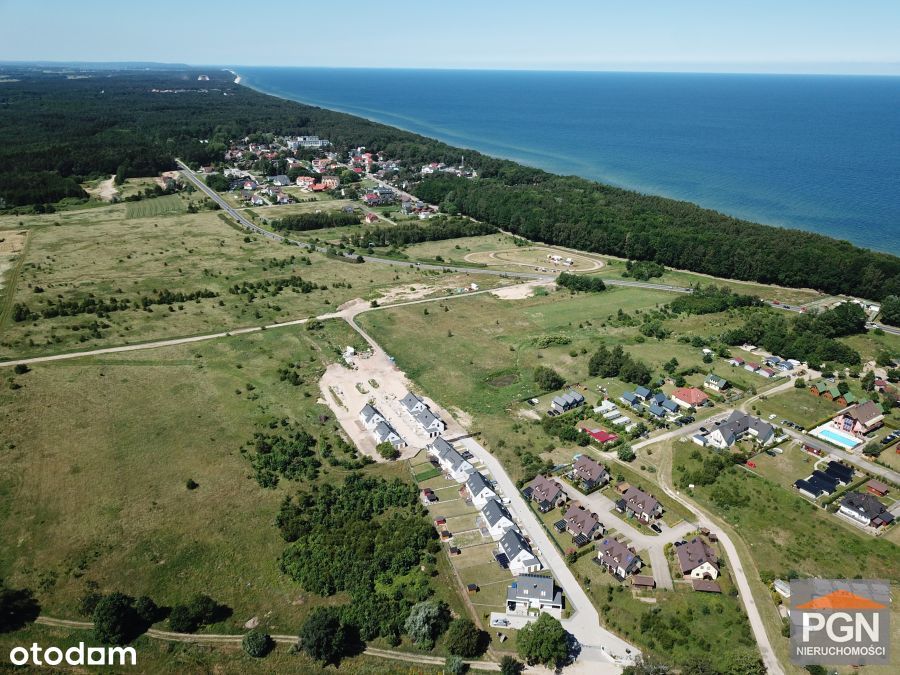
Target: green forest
x: 56, y: 132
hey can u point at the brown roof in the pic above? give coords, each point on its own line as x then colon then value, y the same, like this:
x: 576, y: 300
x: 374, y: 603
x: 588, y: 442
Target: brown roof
x: 588, y: 469
x: 544, y: 489
x: 865, y: 413
x: 706, y: 586
x: 694, y: 553
x: 639, y: 501
x: 579, y: 520
x: 643, y: 580
x: 877, y: 486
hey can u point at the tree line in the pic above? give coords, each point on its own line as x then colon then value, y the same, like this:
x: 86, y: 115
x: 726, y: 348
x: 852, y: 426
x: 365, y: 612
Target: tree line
x: 315, y: 221
x: 588, y: 216
x: 404, y: 234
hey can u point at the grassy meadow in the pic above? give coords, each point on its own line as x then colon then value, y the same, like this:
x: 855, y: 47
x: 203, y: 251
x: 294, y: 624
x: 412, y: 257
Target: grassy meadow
x: 100, y: 252
x: 95, y: 492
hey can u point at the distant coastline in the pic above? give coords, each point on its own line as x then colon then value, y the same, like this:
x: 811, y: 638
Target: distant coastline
x: 842, y: 191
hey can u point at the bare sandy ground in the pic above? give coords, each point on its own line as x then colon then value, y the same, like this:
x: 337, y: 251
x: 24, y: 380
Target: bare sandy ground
x: 521, y: 291
x: 105, y: 190
x: 11, y: 242
x: 347, y: 389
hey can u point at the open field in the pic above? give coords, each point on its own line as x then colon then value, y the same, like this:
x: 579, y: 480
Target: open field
x: 75, y: 254
x: 96, y: 492
x: 796, y: 405
x: 786, y: 533
x: 155, y: 206
x: 488, y: 350
x: 536, y: 258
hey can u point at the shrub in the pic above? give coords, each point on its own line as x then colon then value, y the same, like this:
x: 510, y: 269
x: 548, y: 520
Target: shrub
x: 454, y: 665
x: 257, y: 643
x: 465, y: 639
x: 323, y: 636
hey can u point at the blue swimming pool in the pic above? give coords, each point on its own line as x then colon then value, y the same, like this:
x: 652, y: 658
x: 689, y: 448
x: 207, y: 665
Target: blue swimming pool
x: 836, y: 438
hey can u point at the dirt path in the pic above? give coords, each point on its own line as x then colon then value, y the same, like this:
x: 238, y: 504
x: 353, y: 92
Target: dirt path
x: 231, y: 639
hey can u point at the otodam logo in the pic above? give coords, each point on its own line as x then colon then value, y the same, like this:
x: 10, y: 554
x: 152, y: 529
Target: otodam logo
x: 840, y: 622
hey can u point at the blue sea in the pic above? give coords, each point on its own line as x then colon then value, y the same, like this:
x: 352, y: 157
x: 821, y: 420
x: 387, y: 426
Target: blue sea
x: 819, y: 153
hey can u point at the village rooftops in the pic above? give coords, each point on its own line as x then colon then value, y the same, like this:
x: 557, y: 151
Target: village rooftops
x: 513, y: 545
x: 738, y: 424
x: 478, y: 484
x: 447, y: 454
x: 614, y: 554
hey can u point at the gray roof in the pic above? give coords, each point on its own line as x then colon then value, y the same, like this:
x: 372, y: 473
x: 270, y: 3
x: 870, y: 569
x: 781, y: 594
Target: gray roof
x: 739, y: 423
x: 385, y: 432
x: 493, y: 511
x: 369, y: 411
x: 410, y: 401
x: 476, y: 483
x: 864, y: 504
x: 513, y: 544
x: 447, y: 453
x: 570, y: 398
x: 425, y: 417
x: 530, y: 586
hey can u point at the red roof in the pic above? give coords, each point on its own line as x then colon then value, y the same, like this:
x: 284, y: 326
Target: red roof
x: 690, y: 395
x: 601, y: 436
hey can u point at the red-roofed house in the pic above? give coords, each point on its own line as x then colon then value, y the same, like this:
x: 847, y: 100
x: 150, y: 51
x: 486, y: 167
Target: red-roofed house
x: 689, y: 397
x: 601, y: 435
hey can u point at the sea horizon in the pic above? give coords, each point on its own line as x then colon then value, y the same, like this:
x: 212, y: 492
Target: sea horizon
x: 766, y: 150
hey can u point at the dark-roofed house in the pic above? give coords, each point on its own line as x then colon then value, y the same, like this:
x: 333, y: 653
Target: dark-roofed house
x: 568, y: 401
x: 517, y: 553
x: 656, y: 410
x: 450, y: 460
x: 642, y: 393
x: 581, y: 523
x: 643, y: 581
x: 479, y: 489
x: 739, y: 426
x: 589, y: 473
x: 280, y: 180
x: 617, y: 558
x: 546, y: 492
x: 421, y: 414
x: 370, y: 416
x: 841, y: 472
x: 865, y: 509
x: 533, y: 593
x: 697, y: 560
x: 636, y: 502
x: 496, y: 519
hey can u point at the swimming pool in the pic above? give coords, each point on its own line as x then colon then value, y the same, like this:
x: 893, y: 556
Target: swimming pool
x: 836, y: 437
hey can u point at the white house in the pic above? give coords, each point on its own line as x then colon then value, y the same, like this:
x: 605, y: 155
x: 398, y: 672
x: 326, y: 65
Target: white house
x: 375, y: 422
x: 697, y: 560
x: 496, y: 519
x: 479, y: 489
x: 518, y: 553
x: 865, y: 509
x: 421, y: 414
x: 533, y: 593
x: 370, y: 417
x: 450, y: 460
x: 738, y: 426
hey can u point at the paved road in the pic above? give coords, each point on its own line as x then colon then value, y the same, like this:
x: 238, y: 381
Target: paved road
x: 849, y: 457
x: 600, y: 504
x: 584, y: 624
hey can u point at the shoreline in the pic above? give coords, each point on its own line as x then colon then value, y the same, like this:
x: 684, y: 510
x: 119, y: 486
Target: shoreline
x: 648, y: 190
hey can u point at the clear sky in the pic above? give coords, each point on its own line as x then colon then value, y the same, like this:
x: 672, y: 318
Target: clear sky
x: 843, y: 36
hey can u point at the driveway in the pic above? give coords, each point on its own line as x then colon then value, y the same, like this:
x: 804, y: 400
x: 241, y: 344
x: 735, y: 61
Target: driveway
x: 600, y: 504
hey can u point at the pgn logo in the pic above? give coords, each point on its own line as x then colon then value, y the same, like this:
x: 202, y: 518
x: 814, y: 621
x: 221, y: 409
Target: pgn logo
x: 840, y: 622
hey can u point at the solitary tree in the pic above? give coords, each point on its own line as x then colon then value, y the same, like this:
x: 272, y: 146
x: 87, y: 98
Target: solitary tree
x: 464, y: 639
x: 544, y: 641
x: 426, y: 621
x: 323, y: 636
x: 454, y: 665
x: 387, y: 450
x: 115, y: 619
x: 510, y: 666
x: 547, y: 378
